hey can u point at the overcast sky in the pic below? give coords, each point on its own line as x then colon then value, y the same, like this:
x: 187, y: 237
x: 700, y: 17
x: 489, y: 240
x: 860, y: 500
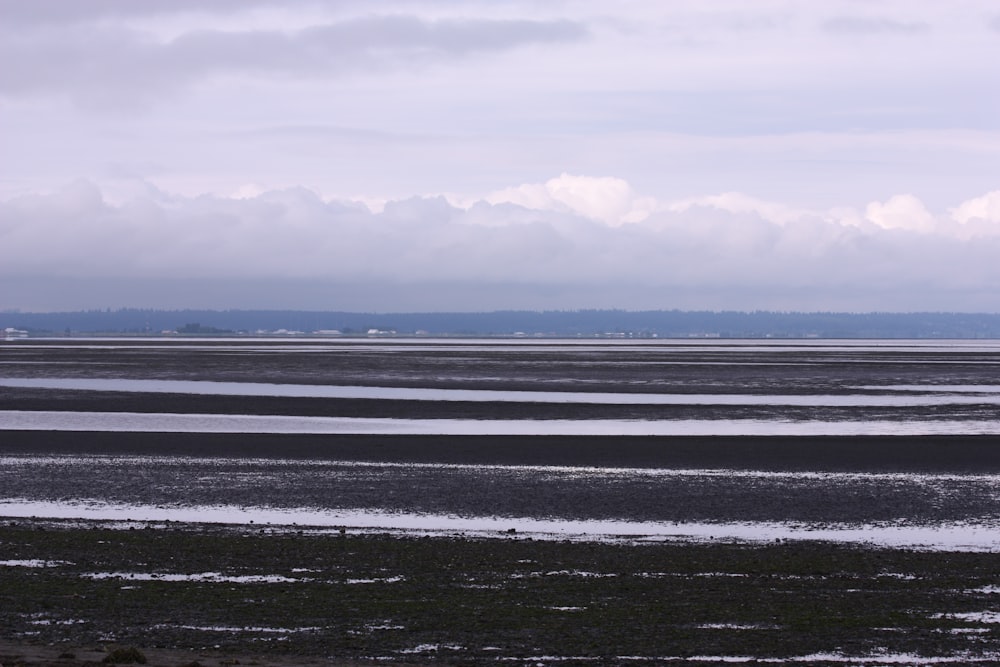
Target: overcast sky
x: 464, y: 155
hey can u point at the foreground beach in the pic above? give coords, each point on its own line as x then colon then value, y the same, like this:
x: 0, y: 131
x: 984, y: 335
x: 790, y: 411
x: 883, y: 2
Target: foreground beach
x: 362, y: 596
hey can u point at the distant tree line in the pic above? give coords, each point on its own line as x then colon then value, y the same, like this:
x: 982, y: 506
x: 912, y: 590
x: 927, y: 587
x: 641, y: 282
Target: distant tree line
x: 200, y: 329
x: 569, y: 323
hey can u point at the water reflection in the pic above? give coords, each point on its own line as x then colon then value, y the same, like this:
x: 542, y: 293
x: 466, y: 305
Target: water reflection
x: 16, y: 420
x: 935, y: 395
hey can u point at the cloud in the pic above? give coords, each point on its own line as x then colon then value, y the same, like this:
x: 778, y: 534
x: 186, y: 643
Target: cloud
x: 904, y: 212
x: 103, y: 63
x: 862, y: 25
x: 727, y: 251
x: 736, y: 202
x: 985, y: 209
x: 610, y: 200
x: 61, y: 12
x: 677, y: 148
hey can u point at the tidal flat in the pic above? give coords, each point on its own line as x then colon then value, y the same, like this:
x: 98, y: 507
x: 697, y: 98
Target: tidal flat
x: 576, y: 515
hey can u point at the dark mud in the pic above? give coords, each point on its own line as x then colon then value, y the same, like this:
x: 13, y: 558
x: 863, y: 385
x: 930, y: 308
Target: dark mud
x: 471, y: 601
x: 930, y: 454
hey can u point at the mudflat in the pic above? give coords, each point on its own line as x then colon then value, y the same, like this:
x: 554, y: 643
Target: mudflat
x: 277, y: 593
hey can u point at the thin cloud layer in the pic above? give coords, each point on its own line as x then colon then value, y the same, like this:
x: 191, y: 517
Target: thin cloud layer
x: 116, y: 63
x: 863, y: 25
x: 44, y: 12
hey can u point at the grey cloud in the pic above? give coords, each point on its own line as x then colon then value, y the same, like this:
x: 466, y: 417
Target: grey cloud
x: 752, y: 23
x: 50, y: 12
x: 81, y: 60
x: 292, y: 237
x: 408, y: 35
x: 858, y: 25
x: 118, y: 63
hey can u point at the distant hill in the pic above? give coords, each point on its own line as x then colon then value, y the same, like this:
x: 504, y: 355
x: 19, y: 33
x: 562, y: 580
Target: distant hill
x: 570, y: 323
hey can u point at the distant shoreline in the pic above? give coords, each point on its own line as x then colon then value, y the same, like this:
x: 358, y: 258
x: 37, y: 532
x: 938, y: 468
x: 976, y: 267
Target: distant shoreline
x: 599, y: 324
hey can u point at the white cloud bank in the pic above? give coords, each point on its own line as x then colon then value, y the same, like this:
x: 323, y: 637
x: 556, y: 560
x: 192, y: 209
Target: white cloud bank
x: 607, y: 199
x: 570, y: 242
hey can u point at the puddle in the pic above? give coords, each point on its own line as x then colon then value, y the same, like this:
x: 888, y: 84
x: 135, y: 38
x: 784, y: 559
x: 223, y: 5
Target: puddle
x: 963, y: 536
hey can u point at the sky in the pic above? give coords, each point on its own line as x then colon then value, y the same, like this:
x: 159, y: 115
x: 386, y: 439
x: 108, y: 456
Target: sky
x: 472, y: 155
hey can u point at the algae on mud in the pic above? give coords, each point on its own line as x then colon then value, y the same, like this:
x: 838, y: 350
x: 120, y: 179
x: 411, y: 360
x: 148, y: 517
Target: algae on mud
x: 474, y: 601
